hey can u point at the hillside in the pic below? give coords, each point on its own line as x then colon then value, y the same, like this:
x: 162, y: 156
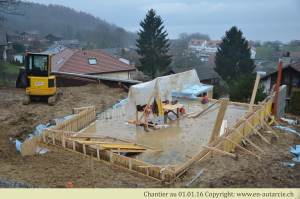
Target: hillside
x: 69, y: 23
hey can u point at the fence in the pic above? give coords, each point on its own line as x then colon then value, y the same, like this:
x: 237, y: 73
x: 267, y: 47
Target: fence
x: 8, y: 77
x: 116, y: 111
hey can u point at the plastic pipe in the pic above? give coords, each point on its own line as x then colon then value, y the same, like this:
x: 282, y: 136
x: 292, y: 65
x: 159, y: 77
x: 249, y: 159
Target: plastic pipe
x: 277, y: 86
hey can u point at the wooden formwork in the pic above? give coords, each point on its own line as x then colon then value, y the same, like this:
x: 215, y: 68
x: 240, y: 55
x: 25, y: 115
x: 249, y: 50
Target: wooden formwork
x: 241, y: 126
x: 73, y: 124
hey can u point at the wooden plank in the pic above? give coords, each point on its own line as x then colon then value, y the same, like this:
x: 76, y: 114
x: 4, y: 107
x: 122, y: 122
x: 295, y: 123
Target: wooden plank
x: 219, y: 120
x: 220, y: 151
x: 164, y: 168
x: 133, y: 151
x: 232, y: 103
x: 170, y: 107
x: 144, y: 110
x: 207, y: 108
x: 91, y: 137
x: 178, y: 93
x: 254, y: 92
x: 241, y: 147
x: 159, y: 166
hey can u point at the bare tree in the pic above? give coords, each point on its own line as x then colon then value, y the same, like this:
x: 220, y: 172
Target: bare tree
x: 251, y: 43
x: 257, y: 43
x: 10, y: 7
x: 293, y: 44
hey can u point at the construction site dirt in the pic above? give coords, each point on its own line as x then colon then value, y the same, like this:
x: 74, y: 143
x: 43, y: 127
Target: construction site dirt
x: 57, y: 168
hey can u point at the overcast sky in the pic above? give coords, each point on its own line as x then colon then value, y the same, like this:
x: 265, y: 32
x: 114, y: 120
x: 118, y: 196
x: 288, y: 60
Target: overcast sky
x: 258, y: 19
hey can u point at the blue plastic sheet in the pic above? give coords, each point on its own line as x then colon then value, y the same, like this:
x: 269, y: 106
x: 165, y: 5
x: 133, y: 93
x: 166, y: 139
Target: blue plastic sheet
x: 39, y: 130
x: 288, y: 164
x: 193, y: 91
x: 288, y: 129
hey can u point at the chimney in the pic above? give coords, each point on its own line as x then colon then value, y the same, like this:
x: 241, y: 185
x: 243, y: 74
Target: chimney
x: 286, y: 59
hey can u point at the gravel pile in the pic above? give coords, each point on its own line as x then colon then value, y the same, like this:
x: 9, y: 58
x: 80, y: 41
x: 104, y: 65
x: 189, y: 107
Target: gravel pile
x: 15, y: 184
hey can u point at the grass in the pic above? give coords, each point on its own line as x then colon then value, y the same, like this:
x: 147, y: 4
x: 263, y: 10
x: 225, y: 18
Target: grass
x: 9, y: 67
x: 291, y: 48
x: 265, y: 53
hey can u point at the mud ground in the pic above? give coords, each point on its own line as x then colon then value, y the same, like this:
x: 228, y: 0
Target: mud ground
x: 56, y: 169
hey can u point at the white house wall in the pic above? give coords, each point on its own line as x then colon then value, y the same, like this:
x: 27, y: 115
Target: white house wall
x: 266, y: 83
x: 123, y: 75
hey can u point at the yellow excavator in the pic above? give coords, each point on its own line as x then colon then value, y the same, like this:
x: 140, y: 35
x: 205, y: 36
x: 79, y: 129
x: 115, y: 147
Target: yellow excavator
x: 39, y: 83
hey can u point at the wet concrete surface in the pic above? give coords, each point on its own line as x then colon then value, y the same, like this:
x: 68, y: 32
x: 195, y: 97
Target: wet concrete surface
x: 184, y: 136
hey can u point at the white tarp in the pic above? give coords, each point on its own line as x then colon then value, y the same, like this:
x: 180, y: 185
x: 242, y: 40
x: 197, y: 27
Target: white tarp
x: 158, y: 88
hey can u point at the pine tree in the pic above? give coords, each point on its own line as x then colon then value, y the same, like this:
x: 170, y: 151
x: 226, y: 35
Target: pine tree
x: 152, y: 44
x: 233, y: 56
x: 123, y: 52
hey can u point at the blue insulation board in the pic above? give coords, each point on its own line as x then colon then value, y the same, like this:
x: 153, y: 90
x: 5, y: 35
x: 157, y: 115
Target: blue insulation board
x: 193, y: 91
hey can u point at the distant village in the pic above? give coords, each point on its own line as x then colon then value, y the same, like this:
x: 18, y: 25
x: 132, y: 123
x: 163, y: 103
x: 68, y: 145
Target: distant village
x: 67, y: 53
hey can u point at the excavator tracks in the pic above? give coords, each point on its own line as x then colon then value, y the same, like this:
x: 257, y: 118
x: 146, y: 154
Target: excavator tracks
x: 52, y: 99
x: 26, y: 100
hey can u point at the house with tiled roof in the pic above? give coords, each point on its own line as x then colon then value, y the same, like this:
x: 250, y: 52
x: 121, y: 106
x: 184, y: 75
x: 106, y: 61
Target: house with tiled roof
x: 53, y: 37
x: 253, y: 52
x: 55, y: 48
x: 197, y: 44
x: 205, y: 74
x: 3, y: 45
x: 212, y: 45
x: 13, y: 36
x: 204, y: 55
x: 96, y: 62
x: 59, y: 59
x: 290, y: 76
x: 31, y: 35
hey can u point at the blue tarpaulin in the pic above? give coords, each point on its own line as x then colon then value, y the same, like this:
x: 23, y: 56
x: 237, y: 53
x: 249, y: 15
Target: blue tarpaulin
x: 39, y: 130
x: 193, y: 91
x: 288, y: 129
x: 288, y: 164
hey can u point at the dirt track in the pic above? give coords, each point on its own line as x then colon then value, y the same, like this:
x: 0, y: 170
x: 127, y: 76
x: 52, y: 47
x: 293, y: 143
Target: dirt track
x: 60, y: 167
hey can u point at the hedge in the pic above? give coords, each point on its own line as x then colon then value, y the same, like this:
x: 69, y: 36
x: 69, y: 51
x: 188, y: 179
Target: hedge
x: 295, y: 102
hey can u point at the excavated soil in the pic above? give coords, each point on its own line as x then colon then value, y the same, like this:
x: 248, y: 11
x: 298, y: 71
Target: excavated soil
x: 57, y: 168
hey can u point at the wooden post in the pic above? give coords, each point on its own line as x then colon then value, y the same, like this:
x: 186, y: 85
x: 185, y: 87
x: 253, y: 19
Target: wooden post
x: 154, y: 125
x: 118, y: 150
x: 111, y: 157
x: 224, y: 145
x: 130, y: 163
x: 74, y: 145
x: 92, y: 169
x: 98, y: 155
x: 53, y: 138
x: 219, y: 120
x: 63, y: 142
x: 254, y: 92
x: 84, y: 149
x: 144, y: 110
x: 148, y: 171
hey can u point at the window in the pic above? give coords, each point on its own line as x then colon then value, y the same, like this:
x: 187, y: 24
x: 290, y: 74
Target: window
x: 38, y: 63
x: 93, y: 61
x: 295, y: 81
x: 60, y: 61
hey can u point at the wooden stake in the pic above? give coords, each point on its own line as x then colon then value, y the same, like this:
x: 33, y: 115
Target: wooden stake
x: 74, y: 145
x: 249, y: 141
x: 219, y: 120
x: 241, y: 147
x: 84, y: 151
x: 220, y: 151
x: 262, y: 121
x: 130, y: 163
x: 53, y: 137
x: 254, y: 92
x: 98, y: 155
x: 271, y: 118
x: 254, y: 129
x: 92, y: 169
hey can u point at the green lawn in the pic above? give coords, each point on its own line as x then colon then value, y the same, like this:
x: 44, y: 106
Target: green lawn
x: 9, y: 67
x: 265, y: 53
x: 291, y: 48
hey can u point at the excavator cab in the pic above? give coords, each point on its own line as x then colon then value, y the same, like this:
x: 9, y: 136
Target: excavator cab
x: 39, y: 83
